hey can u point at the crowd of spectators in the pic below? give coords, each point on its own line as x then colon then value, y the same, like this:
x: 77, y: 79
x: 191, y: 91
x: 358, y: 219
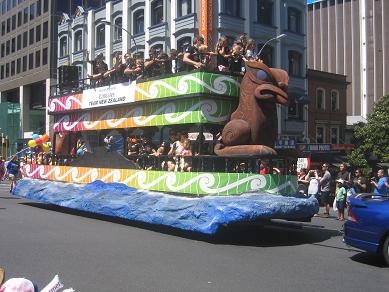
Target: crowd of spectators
x: 331, y: 188
x: 222, y: 58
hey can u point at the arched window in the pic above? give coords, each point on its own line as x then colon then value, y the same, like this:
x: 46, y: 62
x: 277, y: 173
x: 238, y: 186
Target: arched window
x: 78, y: 41
x: 100, y: 36
x: 156, y: 12
x: 265, y: 12
x: 334, y: 100
x: 320, y: 99
x: 139, y: 21
x: 183, y: 44
x: 294, y: 63
x: 294, y: 20
x: 117, y: 35
x: 63, y: 46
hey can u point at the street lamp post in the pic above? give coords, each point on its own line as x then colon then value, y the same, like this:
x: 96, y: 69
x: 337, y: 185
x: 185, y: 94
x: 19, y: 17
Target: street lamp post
x: 106, y: 22
x: 268, y: 41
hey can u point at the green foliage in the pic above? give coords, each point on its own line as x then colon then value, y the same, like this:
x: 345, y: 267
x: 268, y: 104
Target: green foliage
x: 373, y: 137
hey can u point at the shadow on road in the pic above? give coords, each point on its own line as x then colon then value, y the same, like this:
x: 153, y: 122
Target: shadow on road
x: 371, y: 259
x: 261, y: 234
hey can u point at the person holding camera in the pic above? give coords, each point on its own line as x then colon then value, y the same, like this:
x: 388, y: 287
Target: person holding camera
x: 380, y: 185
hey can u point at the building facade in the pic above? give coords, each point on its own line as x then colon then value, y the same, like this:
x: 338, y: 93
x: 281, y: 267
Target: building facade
x: 327, y: 107
x: 28, y: 63
x: 168, y: 24
x: 350, y: 37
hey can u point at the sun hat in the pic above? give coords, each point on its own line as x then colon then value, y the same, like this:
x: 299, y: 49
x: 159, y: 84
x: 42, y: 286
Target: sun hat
x: 340, y: 180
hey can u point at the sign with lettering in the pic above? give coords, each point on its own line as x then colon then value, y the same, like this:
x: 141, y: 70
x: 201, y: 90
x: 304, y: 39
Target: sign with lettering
x: 303, y: 162
x: 207, y: 18
x: 109, y: 95
x: 314, y: 147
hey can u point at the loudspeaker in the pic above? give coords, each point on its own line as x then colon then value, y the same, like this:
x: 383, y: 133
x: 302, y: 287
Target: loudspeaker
x: 68, y: 77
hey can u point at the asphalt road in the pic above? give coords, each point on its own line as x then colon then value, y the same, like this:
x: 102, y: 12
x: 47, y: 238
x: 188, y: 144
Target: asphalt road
x: 95, y: 253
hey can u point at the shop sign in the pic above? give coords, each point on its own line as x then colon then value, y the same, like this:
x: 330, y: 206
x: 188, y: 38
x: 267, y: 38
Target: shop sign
x: 314, y: 147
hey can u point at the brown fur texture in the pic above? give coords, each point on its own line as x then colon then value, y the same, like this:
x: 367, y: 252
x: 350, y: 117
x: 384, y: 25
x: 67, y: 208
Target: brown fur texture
x: 252, y: 129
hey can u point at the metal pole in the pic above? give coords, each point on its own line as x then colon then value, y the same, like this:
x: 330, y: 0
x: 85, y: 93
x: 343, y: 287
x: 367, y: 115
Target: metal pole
x: 6, y: 146
x: 2, y: 142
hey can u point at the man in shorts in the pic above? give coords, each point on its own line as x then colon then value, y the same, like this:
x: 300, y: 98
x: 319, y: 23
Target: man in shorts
x: 325, y: 188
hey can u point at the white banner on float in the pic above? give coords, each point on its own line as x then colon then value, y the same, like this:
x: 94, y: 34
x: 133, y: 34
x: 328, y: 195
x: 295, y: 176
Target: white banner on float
x: 109, y: 95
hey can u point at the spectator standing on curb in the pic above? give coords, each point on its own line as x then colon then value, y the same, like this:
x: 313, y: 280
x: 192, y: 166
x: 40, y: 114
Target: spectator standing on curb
x: 344, y: 174
x: 13, y: 170
x: 359, y: 182
x: 325, y: 189
x: 340, y: 198
x: 380, y: 186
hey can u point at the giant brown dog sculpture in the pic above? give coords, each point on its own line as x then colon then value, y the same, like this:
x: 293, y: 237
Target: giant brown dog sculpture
x: 252, y: 129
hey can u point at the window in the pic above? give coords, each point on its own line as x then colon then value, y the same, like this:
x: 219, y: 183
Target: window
x: 8, y: 24
x: 2, y: 50
x: 31, y: 37
x: 6, y: 70
x: 266, y: 55
x: 294, y: 63
x: 2, y: 72
x: 139, y: 21
x: 44, y: 56
x: 18, y: 65
x: 31, y: 61
x: 3, y: 7
x: 24, y: 39
x: 334, y: 135
x: 320, y: 99
x: 320, y: 134
x: 38, y: 33
x: 7, y: 47
x: 45, y: 6
x: 45, y: 29
x: 231, y: 7
x: 20, y: 18
x: 184, y: 7
x: 265, y: 12
x: 37, y: 59
x: 13, y: 45
x: 334, y: 100
x: 3, y: 28
x: 12, y: 68
x: 100, y: 36
x: 294, y: 20
x: 156, y: 12
x: 295, y: 110
x: 183, y: 43
x: 24, y: 63
x: 32, y: 11
x: 38, y: 7
x: 117, y: 34
x: 19, y: 42
x: 78, y: 41
x: 13, y: 22
x: 63, y: 47
x: 25, y: 15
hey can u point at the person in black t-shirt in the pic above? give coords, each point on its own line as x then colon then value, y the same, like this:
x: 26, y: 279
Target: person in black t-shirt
x: 223, y: 54
x: 237, y: 64
x: 191, y: 55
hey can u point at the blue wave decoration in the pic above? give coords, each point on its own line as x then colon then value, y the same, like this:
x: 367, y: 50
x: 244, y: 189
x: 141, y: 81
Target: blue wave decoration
x: 204, y: 215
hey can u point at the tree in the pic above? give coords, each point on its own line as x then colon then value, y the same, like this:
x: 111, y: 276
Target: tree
x: 372, y: 138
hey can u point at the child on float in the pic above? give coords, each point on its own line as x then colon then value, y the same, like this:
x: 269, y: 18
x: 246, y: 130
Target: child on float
x: 185, y: 161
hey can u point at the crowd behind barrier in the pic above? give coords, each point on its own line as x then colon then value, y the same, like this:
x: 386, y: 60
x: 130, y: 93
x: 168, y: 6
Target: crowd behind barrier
x: 222, y: 58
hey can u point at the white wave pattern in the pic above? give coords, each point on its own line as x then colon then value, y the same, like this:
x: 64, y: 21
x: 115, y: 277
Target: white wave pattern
x: 219, y: 86
x: 207, y: 107
x: 53, y: 103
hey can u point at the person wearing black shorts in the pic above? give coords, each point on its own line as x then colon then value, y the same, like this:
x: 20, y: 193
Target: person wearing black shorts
x: 325, y: 188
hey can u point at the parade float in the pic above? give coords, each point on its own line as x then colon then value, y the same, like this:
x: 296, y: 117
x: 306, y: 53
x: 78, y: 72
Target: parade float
x: 233, y: 124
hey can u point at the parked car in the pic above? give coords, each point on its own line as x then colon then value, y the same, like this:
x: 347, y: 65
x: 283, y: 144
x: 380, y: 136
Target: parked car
x: 367, y: 227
